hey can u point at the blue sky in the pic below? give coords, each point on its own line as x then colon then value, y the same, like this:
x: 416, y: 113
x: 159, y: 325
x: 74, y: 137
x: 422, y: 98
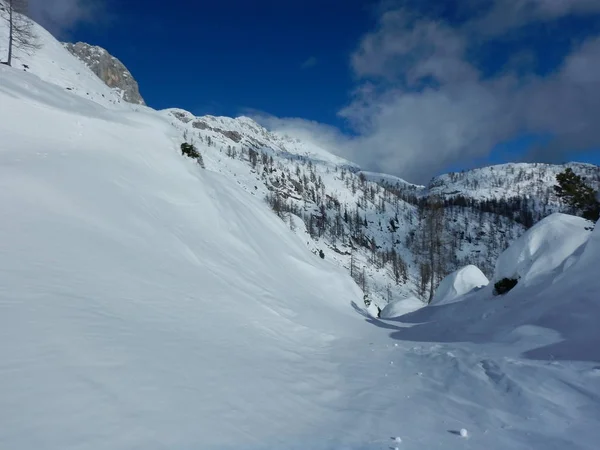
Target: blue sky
x: 286, y: 58
x: 411, y: 87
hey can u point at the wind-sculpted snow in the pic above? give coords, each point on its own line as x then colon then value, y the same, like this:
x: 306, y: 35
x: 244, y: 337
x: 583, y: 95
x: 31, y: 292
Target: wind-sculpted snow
x: 458, y: 284
x: 543, y: 248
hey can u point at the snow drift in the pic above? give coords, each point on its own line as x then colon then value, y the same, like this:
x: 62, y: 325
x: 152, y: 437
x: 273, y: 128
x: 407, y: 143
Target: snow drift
x: 459, y: 283
x: 543, y: 248
x: 401, y: 307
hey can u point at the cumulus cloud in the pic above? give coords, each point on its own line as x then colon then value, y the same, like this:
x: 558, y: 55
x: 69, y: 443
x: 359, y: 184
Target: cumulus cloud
x: 421, y: 103
x: 410, y: 48
x: 61, y: 16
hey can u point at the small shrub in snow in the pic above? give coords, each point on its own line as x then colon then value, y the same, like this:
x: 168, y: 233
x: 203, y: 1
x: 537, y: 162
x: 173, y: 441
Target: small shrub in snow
x: 321, y: 254
x: 504, y: 285
x: 191, y: 151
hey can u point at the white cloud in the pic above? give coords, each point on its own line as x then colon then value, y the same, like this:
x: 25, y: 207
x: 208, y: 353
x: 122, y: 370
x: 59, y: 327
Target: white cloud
x: 421, y: 104
x: 504, y: 15
x: 61, y: 16
x: 411, y: 48
x: 566, y: 104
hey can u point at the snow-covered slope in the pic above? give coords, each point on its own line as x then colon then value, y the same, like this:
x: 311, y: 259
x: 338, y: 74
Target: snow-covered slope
x: 144, y: 300
x: 56, y: 65
x: 544, y: 248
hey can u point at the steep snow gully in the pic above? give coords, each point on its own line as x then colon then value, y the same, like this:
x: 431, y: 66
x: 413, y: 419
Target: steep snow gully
x: 148, y: 303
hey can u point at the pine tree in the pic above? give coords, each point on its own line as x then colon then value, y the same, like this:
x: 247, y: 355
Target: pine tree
x: 575, y: 192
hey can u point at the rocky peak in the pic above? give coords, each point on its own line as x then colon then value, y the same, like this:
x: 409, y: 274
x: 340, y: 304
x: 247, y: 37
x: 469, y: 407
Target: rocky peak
x: 109, y: 69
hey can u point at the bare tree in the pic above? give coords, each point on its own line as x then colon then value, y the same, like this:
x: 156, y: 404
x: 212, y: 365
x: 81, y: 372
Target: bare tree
x: 20, y: 28
x: 431, y: 245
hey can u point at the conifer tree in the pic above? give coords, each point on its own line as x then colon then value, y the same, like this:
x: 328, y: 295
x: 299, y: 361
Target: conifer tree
x: 575, y: 192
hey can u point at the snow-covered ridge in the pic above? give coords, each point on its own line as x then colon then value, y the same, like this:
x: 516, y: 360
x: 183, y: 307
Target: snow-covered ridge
x: 509, y: 180
x: 243, y: 131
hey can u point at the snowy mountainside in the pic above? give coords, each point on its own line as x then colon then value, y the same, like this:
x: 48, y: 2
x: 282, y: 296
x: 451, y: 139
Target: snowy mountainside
x: 54, y: 64
x: 109, y: 69
x: 348, y: 213
x: 510, y: 180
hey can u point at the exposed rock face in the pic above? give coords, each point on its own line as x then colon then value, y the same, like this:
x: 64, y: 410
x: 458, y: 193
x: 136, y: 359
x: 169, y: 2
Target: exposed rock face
x: 202, y: 125
x: 109, y: 69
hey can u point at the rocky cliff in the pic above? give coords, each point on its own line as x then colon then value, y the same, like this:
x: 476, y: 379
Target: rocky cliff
x: 109, y: 69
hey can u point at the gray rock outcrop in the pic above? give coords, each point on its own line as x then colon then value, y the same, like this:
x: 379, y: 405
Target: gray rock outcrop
x: 109, y: 69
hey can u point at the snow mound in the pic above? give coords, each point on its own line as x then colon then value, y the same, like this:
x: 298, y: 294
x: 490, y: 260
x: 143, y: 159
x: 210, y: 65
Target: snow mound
x: 401, y: 307
x: 459, y: 283
x: 543, y: 248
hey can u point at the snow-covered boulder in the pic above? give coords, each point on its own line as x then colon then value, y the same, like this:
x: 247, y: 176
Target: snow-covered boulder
x: 401, y: 307
x: 543, y: 248
x: 459, y: 283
